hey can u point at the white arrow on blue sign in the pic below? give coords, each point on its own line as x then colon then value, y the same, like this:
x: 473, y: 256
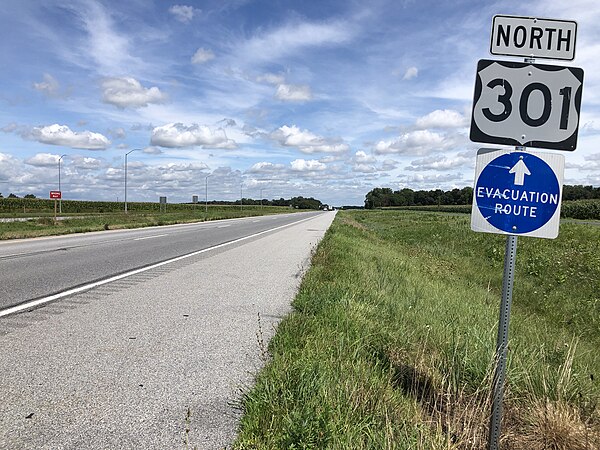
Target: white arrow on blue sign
x: 517, y: 193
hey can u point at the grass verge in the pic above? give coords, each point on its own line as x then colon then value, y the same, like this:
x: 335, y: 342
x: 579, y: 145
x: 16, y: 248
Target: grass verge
x: 391, y: 341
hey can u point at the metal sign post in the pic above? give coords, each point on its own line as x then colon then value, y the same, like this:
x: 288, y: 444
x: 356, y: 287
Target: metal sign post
x: 510, y: 256
x: 518, y: 192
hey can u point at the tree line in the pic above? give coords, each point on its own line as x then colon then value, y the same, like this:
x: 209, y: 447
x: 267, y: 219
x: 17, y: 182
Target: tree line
x: 294, y: 202
x: 386, y: 197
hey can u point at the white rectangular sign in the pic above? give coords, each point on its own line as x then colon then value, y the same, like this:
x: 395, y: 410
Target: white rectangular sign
x: 531, y: 105
x: 517, y: 193
x: 533, y: 37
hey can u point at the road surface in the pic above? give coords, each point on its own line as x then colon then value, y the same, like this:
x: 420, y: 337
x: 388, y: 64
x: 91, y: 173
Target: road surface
x: 157, y: 359
x: 36, y: 268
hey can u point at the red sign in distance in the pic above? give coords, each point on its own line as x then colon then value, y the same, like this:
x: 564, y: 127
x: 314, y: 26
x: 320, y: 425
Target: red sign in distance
x: 55, y: 195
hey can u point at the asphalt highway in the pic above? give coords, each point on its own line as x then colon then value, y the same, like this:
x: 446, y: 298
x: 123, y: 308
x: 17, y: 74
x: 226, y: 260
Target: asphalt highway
x: 36, y: 268
x: 157, y: 359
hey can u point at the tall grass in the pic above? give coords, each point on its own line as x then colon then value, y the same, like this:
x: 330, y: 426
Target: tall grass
x: 391, y: 342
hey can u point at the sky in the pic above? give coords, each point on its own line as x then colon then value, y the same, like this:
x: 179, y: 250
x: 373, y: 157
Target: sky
x: 230, y: 98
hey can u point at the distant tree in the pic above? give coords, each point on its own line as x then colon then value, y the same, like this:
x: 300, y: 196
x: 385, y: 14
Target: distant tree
x: 579, y: 192
x: 12, y: 195
x: 404, y: 197
x: 305, y: 203
x: 379, y: 197
x: 30, y: 196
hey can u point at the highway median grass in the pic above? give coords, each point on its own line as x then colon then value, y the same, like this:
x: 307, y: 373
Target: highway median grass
x: 391, y: 342
x: 43, y: 224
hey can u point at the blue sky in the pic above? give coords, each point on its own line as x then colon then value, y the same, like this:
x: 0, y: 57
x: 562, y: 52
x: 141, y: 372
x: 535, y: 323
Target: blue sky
x: 316, y: 98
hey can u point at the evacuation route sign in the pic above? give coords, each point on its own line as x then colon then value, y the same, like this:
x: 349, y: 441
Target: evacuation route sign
x: 517, y: 193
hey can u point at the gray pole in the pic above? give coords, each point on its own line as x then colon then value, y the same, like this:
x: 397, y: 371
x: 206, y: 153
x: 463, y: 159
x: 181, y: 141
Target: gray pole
x: 60, y: 199
x: 126, y: 176
x: 206, y: 194
x: 241, y: 196
x: 261, y: 197
x: 510, y: 256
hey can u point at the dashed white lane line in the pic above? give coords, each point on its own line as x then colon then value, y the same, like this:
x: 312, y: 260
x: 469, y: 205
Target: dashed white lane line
x: 41, y: 301
x: 150, y: 237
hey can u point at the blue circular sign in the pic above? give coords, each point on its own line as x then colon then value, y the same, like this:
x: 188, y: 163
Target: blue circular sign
x: 517, y: 192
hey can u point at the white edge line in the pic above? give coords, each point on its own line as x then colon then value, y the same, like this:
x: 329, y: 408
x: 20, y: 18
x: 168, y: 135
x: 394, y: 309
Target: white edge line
x: 41, y: 301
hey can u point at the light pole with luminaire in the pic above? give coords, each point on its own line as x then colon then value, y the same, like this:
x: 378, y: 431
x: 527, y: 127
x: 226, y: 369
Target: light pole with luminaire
x: 126, y: 176
x: 60, y: 199
x: 206, y: 194
x: 261, y: 198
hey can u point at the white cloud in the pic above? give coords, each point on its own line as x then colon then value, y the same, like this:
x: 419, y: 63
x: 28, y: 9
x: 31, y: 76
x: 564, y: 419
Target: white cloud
x: 361, y: 157
x: 271, y: 78
x: 87, y: 163
x: 417, y: 142
x: 389, y: 164
x: 227, y: 123
x: 410, y: 73
x: 202, y: 55
x: 293, y: 93
x: 9, y: 128
x: 7, y: 162
x: 306, y: 141
x: 43, y: 160
x: 117, y: 133
x: 48, y: 87
x: 292, y: 38
x: 183, y: 13
x: 175, y: 135
x: 128, y: 92
x: 593, y: 157
x: 364, y: 168
x: 151, y: 150
x: 331, y: 158
x: 109, y: 50
x: 446, y: 118
x: 312, y: 165
x: 431, y: 181
x: 440, y: 163
x: 266, y: 167
x: 62, y: 135
x: 363, y: 163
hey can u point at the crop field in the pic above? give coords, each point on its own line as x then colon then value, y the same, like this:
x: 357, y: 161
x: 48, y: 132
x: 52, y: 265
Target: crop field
x: 391, y: 341
x: 82, y: 216
x: 574, y: 209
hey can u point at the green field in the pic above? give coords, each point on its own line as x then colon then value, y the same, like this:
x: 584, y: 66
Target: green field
x: 574, y: 209
x: 391, y: 342
x: 80, y: 216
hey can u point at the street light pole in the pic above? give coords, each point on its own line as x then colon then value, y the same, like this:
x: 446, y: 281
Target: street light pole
x: 126, y: 176
x: 241, y: 196
x: 206, y: 194
x: 261, y: 198
x: 60, y: 199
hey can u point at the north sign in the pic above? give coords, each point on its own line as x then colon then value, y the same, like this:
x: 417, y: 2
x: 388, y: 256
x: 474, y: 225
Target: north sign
x: 533, y: 38
x: 517, y: 193
x: 523, y: 104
